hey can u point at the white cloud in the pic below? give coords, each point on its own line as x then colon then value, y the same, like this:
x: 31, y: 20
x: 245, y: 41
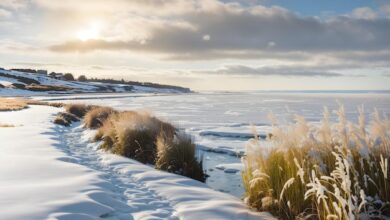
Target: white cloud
x: 271, y: 44
x: 242, y: 32
x: 364, y: 13
x: 288, y: 71
x: 13, y: 4
x: 4, y: 14
x: 145, y: 7
x: 386, y: 9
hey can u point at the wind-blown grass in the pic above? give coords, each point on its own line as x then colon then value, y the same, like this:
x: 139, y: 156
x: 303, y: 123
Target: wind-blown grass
x: 331, y: 171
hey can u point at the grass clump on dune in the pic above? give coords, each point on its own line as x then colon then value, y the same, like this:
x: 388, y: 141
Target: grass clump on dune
x: 78, y: 109
x: 149, y: 140
x: 331, y: 171
x: 65, y: 118
x: 96, y: 117
x: 139, y: 136
x: 133, y: 135
x: 177, y: 155
x: 12, y: 104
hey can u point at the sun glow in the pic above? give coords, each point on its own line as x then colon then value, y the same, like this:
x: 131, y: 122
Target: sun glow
x: 91, y: 32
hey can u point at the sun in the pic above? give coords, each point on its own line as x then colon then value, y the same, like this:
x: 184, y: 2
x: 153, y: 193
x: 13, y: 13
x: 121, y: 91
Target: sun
x: 91, y: 32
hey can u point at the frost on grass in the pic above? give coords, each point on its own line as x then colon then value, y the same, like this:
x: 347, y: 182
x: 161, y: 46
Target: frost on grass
x: 329, y: 171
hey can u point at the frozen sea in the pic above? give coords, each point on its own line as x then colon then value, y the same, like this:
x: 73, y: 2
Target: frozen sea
x: 221, y: 122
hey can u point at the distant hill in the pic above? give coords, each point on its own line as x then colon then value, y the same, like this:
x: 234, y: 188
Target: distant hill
x: 36, y: 82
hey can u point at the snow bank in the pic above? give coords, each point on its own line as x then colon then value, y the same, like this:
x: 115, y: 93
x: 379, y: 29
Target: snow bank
x: 52, y: 172
x: 35, y: 182
x: 190, y: 199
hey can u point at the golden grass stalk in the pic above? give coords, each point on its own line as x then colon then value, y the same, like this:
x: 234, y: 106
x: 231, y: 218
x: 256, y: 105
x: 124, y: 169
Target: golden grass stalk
x: 329, y: 171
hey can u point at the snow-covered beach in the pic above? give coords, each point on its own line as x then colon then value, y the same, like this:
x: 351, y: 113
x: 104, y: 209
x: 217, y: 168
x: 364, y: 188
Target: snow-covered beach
x: 52, y: 172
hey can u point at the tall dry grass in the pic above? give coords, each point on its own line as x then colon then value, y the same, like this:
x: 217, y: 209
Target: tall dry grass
x: 96, y: 117
x: 140, y: 136
x: 78, y: 109
x: 133, y: 134
x: 329, y: 171
x: 178, y: 155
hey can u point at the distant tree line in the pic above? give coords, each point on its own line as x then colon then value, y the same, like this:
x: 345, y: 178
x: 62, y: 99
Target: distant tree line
x: 25, y: 70
x: 136, y: 83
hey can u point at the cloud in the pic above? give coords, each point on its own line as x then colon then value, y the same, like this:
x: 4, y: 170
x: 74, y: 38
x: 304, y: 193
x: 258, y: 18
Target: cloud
x: 145, y: 7
x: 364, y: 13
x: 35, y: 64
x: 386, y: 74
x: 236, y: 31
x: 13, y: 4
x: 288, y: 71
x: 385, y: 8
x: 4, y: 14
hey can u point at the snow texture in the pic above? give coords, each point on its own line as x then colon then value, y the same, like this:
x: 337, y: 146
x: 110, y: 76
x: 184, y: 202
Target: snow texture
x: 53, y: 172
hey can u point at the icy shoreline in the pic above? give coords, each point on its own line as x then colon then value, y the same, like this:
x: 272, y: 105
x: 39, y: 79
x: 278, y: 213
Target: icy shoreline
x: 54, y: 172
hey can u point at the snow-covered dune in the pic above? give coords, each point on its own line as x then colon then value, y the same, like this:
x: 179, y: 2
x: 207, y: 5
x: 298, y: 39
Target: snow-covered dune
x: 16, y: 83
x: 51, y: 172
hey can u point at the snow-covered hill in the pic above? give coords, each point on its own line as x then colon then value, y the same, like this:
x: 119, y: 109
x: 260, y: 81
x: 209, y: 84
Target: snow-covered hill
x: 16, y: 83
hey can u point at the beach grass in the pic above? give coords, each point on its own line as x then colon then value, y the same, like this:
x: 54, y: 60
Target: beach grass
x: 178, y: 155
x: 329, y: 171
x: 95, y: 117
x: 12, y: 104
x: 143, y: 137
x: 133, y: 134
x: 78, y: 109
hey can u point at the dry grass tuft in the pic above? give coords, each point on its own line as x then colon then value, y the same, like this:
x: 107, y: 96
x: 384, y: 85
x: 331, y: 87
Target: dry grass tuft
x: 6, y: 125
x: 96, y: 117
x: 177, y: 155
x: 149, y: 140
x: 65, y: 118
x: 133, y: 135
x: 78, y: 109
x: 331, y: 171
x: 12, y: 104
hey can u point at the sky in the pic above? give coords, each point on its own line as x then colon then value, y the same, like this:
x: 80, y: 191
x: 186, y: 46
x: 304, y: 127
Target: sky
x: 205, y: 44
